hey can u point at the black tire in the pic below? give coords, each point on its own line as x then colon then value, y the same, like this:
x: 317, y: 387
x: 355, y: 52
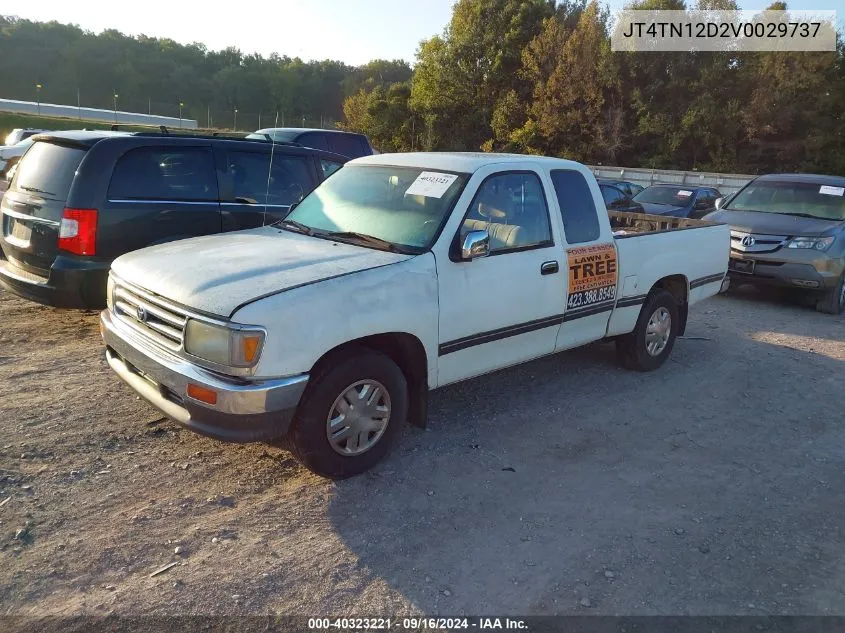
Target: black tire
x: 308, y: 438
x: 631, y: 348
x: 833, y: 300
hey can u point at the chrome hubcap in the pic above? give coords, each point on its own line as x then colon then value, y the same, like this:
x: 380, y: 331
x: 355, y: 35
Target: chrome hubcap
x: 658, y: 331
x: 358, y: 417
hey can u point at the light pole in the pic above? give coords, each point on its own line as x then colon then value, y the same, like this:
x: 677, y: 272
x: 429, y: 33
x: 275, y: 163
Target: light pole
x: 235, y: 125
x: 115, y: 106
x: 38, y: 97
x: 180, y: 113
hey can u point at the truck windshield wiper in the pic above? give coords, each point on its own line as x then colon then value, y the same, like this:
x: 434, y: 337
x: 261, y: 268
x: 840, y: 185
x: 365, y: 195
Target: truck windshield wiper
x: 37, y: 190
x: 298, y: 227
x: 363, y: 238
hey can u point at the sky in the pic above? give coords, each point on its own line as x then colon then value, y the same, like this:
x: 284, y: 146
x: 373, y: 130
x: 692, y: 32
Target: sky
x: 353, y: 31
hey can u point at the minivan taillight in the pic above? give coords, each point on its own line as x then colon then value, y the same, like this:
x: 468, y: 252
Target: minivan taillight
x: 78, y: 231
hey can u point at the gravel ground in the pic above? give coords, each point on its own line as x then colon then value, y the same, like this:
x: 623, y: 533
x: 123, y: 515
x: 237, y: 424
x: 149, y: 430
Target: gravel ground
x: 564, y: 486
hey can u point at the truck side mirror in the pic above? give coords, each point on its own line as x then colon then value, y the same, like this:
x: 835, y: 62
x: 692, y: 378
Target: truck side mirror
x: 475, y: 244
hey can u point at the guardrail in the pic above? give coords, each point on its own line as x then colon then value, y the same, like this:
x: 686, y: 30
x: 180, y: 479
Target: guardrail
x: 94, y: 114
x: 726, y: 183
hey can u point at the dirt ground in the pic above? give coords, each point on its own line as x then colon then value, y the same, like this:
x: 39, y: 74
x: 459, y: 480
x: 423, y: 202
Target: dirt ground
x: 715, y: 485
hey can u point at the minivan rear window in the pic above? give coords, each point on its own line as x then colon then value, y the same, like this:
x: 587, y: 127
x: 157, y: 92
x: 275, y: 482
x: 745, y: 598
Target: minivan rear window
x: 48, y: 170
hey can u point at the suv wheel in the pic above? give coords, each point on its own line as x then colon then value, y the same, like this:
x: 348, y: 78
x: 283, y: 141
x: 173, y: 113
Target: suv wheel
x: 351, y: 414
x: 833, y: 300
x: 651, y: 342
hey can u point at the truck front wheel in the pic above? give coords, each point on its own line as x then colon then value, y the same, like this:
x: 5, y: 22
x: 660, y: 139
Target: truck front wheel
x: 651, y: 342
x: 351, y: 414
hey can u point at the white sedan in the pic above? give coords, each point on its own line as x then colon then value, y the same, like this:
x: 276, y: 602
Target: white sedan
x: 11, y: 154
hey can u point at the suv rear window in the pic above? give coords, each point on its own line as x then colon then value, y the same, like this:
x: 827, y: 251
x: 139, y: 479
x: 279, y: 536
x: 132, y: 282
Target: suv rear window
x: 346, y: 144
x: 48, y: 169
x: 315, y: 140
x: 164, y: 173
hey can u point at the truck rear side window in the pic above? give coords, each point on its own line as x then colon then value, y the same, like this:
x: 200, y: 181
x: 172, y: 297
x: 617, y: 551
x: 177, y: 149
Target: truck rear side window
x: 48, y: 170
x: 580, y: 219
x: 164, y: 173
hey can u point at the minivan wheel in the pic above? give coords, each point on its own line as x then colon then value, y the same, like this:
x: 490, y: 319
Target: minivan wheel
x: 833, y: 300
x: 351, y: 414
x: 651, y: 342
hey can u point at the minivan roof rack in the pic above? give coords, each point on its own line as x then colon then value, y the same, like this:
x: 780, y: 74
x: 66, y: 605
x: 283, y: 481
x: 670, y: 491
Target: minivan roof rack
x: 216, y: 135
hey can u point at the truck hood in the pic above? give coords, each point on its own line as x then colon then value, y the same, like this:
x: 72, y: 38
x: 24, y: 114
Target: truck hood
x: 663, y: 209
x: 218, y: 274
x: 775, y: 223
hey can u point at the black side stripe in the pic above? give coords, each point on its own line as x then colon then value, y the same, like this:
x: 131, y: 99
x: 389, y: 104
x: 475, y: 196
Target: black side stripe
x: 590, y: 310
x: 626, y: 302
x: 703, y: 281
x: 498, y: 334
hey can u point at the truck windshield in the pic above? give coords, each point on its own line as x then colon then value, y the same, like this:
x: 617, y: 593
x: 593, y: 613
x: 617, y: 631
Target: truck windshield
x: 675, y: 196
x: 792, y: 198
x: 404, y: 206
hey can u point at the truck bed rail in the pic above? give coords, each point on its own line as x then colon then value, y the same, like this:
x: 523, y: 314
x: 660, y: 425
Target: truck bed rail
x: 632, y: 224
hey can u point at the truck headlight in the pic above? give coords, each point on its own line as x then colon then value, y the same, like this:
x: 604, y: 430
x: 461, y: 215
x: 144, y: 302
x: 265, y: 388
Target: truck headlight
x: 229, y: 347
x: 817, y: 243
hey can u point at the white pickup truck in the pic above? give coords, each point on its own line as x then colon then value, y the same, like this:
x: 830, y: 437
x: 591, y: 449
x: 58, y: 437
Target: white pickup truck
x: 399, y: 274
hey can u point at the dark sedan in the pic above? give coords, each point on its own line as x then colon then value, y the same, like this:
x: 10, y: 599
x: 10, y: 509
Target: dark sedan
x: 616, y: 200
x: 630, y: 189
x: 678, y: 200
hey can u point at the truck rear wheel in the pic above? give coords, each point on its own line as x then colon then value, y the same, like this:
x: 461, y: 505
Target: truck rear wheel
x: 351, y: 414
x: 833, y: 301
x: 651, y: 342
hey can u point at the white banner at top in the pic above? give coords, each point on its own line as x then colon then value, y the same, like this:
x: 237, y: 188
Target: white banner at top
x: 652, y: 31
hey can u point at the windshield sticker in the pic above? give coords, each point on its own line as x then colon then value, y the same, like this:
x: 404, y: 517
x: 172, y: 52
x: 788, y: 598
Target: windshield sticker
x: 431, y: 184
x: 592, y: 275
x: 683, y: 193
x: 832, y: 191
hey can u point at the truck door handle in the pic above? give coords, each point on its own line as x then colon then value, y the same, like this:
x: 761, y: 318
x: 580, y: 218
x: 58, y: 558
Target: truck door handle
x: 549, y: 268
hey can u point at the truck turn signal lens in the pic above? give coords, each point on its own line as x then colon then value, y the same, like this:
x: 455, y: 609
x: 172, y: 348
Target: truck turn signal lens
x: 251, y: 343
x: 203, y: 394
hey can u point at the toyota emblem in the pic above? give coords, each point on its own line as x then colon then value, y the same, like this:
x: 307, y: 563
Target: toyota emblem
x: 748, y: 241
x: 141, y: 314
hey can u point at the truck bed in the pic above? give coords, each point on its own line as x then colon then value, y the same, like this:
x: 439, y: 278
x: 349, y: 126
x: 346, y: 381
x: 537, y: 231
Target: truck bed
x: 632, y: 224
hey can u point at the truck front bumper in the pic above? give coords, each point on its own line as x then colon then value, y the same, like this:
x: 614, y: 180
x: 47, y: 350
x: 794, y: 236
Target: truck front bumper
x: 245, y: 410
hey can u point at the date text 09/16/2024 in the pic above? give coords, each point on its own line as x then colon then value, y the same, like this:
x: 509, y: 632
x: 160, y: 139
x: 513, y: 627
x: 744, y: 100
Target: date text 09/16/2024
x: 364, y: 624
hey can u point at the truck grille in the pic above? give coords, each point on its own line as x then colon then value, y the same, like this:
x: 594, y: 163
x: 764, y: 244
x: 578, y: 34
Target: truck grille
x: 150, y: 315
x: 756, y: 242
